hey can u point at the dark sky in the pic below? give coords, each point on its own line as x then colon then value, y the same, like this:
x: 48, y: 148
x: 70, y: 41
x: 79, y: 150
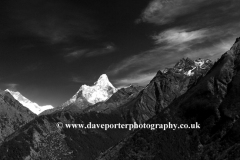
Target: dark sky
x: 48, y: 49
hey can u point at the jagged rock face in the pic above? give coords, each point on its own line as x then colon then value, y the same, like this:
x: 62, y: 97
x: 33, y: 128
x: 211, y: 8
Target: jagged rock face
x: 34, y: 107
x: 164, y: 88
x: 12, y: 115
x: 99, y: 92
x: 213, y: 102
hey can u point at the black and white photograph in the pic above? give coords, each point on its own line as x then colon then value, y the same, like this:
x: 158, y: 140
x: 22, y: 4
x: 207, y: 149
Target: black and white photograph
x: 119, y: 79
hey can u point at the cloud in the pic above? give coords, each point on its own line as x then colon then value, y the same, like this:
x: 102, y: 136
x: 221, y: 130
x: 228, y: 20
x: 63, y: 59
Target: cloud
x: 207, y: 29
x: 212, y: 52
x: 77, y: 54
x: 169, y: 43
x: 108, y: 48
x: 77, y: 79
x: 173, y: 44
x: 165, y: 11
x: 178, y: 36
x: 142, y: 80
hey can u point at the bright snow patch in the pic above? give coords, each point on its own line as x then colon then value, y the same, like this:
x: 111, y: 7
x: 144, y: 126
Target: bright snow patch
x: 190, y: 73
x: 200, y: 62
x: 34, y: 107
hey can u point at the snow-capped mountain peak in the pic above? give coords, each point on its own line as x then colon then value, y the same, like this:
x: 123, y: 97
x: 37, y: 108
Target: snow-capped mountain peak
x: 189, y: 67
x: 103, y: 81
x: 99, y: 92
x: 34, y: 107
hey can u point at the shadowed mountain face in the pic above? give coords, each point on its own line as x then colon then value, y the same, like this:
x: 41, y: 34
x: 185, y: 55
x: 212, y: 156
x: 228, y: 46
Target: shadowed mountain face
x: 124, y: 93
x: 213, y: 102
x: 163, y: 89
x: 12, y: 115
x: 41, y: 139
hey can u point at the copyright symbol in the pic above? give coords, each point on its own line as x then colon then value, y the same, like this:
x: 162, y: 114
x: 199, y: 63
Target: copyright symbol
x: 59, y: 125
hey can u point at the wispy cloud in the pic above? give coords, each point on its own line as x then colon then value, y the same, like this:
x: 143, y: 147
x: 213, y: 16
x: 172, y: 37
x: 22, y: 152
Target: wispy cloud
x: 141, y: 79
x: 77, y: 79
x: 73, y: 55
x: 208, y: 29
x: 105, y: 50
x: 172, y: 45
x: 77, y: 53
x: 178, y: 36
x: 165, y: 11
x: 169, y: 44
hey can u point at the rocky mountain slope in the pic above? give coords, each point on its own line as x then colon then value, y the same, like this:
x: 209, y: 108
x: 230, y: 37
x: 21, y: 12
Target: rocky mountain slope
x: 34, y: 107
x: 13, y: 115
x: 213, y: 102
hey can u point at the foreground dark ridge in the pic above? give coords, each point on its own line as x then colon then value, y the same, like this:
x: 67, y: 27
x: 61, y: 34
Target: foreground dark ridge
x: 213, y: 102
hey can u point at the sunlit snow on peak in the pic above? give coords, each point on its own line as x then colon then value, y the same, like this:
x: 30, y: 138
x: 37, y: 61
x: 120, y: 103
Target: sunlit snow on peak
x: 34, y: 107
x: 99, y: 92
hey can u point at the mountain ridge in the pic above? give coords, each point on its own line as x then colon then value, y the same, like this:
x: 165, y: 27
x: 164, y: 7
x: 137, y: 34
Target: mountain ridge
x: 34, y: 107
